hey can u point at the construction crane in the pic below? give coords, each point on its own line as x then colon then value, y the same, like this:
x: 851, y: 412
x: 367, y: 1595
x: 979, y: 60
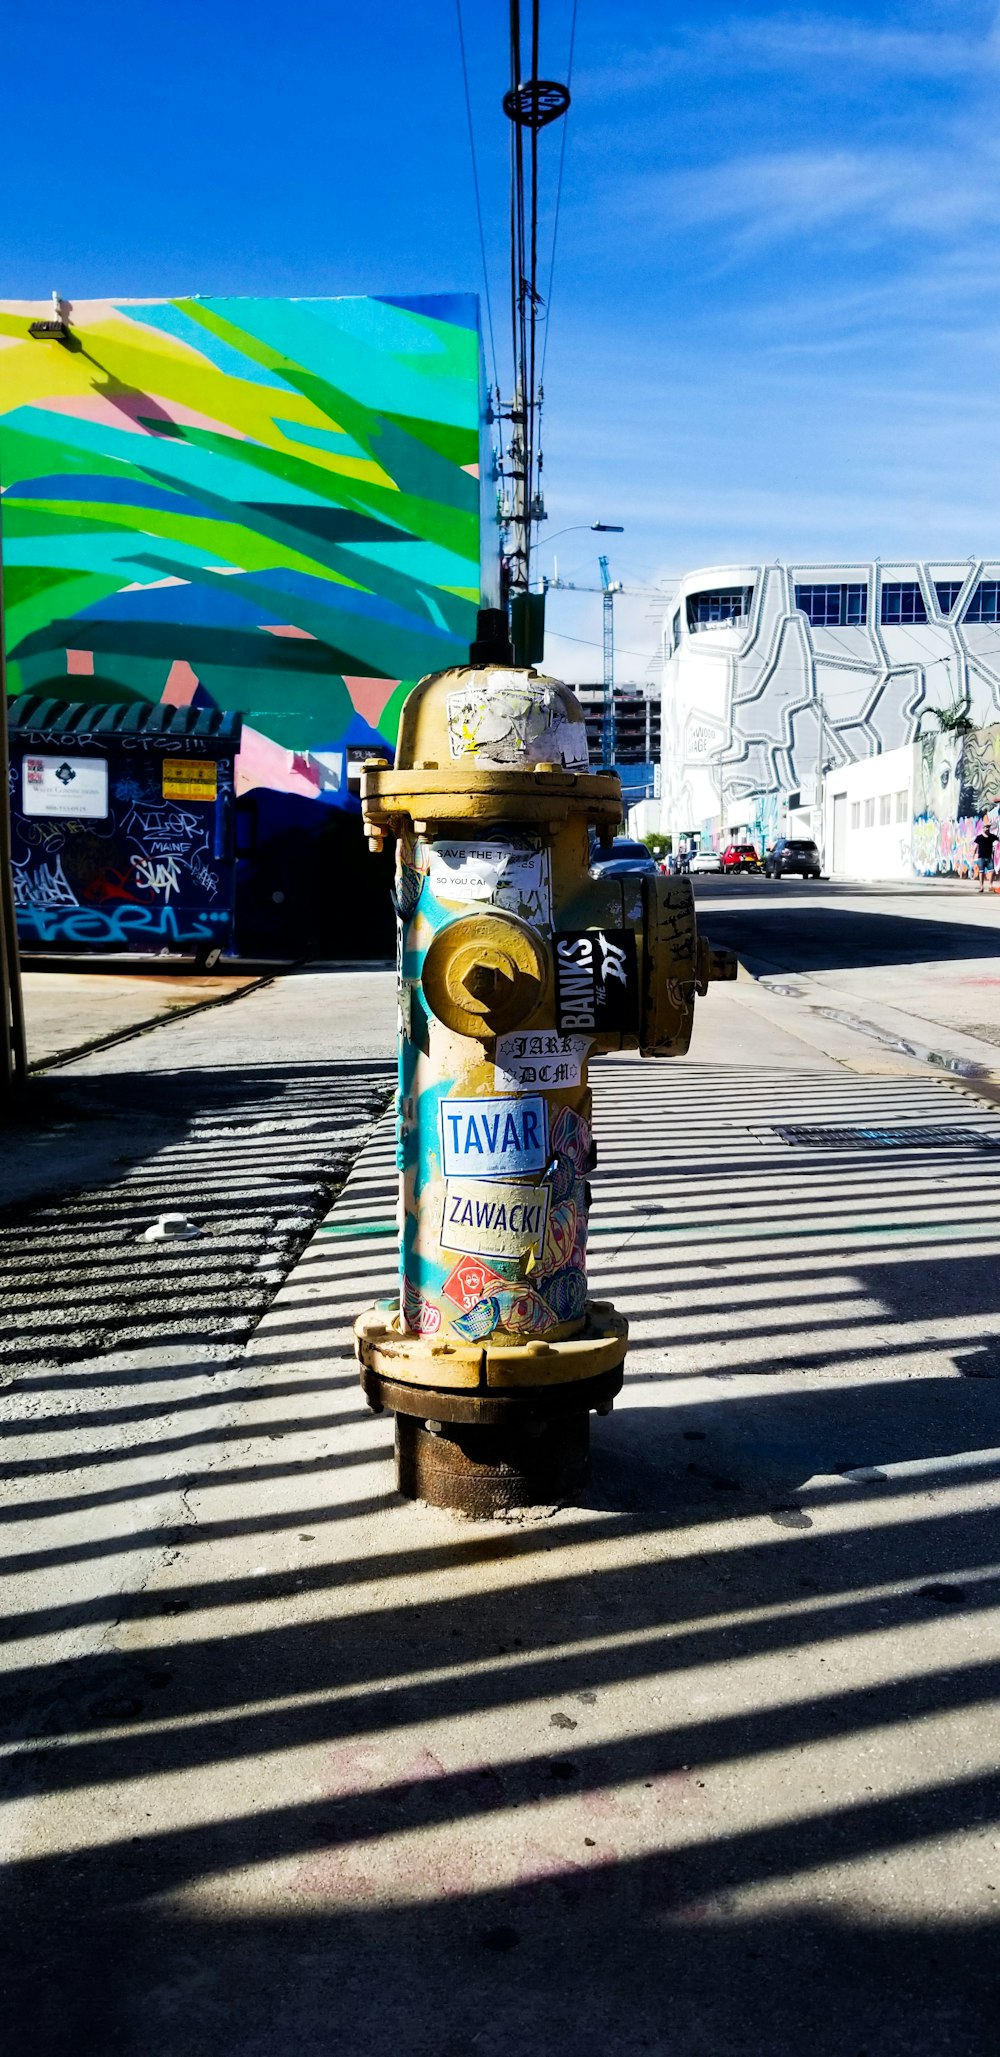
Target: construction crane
x: 609, y: 587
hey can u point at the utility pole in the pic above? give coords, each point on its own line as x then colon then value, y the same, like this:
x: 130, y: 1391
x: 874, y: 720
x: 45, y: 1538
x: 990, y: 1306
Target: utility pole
x: 609, y: 587
x: 530, y: 104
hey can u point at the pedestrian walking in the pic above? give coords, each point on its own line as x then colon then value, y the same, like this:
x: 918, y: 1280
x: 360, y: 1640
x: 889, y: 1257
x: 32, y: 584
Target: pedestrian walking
x: 986, y: 843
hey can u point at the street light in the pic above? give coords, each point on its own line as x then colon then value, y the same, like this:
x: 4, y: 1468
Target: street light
x: 600, y: 528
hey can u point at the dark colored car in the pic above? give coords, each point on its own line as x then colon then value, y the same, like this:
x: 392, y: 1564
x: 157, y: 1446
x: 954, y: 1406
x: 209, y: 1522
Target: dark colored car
x: 623, y: 857
x: 792, y: 856
x: 740, y: 857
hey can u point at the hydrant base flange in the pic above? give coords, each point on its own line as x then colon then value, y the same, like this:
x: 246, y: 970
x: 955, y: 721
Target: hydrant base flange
x: 519, y: 1409
x: 384, y: 1347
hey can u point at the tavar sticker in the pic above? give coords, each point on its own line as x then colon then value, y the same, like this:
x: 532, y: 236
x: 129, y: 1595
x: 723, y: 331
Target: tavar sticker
x: 190, y: 778
x: 469, y: 1281
x: 494, y: 1138
x: 543, y: 1058
x: 508, y: 873
x: 502, y: 1220
x: 597, y: 980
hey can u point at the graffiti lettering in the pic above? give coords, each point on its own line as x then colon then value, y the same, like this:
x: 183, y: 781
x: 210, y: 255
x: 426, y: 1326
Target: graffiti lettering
x: 164, y: 821
x: 203, y: 877
x: 156, y: 877
x: 46, y: 886
x: 122, y: 926
x: 946, y: 846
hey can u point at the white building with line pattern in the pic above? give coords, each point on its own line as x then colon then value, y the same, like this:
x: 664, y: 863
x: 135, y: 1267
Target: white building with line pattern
x: 773, y: 673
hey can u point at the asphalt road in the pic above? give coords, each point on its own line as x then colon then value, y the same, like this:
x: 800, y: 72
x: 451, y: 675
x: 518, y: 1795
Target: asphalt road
x: 801, y: 925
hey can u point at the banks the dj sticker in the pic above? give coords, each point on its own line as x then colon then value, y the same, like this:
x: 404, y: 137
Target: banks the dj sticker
x: 597, y: 980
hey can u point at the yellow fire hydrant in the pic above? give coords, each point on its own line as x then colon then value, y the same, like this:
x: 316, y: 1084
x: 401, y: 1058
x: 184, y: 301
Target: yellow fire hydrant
x: 516, y: 966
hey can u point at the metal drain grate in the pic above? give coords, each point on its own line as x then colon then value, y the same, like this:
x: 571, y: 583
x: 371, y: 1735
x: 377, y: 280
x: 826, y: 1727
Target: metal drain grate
x: 912, y: 1138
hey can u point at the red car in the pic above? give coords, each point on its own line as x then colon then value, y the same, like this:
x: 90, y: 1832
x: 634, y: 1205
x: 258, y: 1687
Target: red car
x: 740, y: 857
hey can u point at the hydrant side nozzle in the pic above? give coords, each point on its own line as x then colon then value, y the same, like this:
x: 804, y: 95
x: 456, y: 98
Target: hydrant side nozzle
x: 714, y: 965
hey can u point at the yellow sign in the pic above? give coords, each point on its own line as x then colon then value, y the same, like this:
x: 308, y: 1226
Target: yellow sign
x: 190, y: 778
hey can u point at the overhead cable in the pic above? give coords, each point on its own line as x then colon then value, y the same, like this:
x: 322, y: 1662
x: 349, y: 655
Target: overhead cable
x: 559, y: 186
x: 475, y: 186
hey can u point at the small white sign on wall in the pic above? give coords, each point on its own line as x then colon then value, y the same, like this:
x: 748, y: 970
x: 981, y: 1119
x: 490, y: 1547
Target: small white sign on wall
x: 75, y: 788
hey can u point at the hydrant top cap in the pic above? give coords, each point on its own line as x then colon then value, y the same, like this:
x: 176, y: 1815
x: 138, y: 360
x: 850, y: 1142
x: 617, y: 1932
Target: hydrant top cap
x: 492, y: 717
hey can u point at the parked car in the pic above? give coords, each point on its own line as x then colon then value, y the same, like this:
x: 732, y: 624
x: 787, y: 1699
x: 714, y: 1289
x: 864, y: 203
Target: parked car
x: 705, y: 860
x: 623, y: 857
x: 792, y: 855
x: 740, y: 857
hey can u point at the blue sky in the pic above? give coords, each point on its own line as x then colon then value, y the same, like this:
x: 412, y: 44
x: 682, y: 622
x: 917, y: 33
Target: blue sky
x: 776, y: 311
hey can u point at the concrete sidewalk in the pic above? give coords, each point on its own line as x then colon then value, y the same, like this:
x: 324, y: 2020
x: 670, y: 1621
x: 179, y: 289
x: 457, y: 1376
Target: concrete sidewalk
x: 67, y: 1012
x: 706, y: 1764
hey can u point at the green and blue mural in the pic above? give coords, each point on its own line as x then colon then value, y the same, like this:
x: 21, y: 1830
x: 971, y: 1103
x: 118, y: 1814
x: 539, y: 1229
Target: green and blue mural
x: 273, y: 507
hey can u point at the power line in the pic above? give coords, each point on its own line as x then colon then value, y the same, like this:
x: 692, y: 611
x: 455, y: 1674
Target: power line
x: 475, y: 185
x: 559, y: 187
x: 593, y: 643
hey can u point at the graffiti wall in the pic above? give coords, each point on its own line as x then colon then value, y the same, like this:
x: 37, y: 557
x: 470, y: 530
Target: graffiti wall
x: 123, y: 838
x: 957, y: 790
x: 266, y: 506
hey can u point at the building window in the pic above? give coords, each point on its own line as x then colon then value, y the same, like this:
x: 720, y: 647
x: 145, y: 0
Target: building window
x: 707, y: 610
x: 830, y: 607
x: 884, y: 810
x: 869, y: 814
x: 985, y: 602
x: 855, y: 814
x: 902, y: 806
x: 947, y: 591
x: 902, y: 604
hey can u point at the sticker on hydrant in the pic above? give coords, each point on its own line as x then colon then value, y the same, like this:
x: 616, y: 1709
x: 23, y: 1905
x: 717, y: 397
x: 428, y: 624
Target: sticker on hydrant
x: 509, y: 872
x: 542, y: 1057
x: 496, y: 1220
x: 491, y: 1138
x: 509, y: 720
x: 597, y: 980
x: 469, y: 1281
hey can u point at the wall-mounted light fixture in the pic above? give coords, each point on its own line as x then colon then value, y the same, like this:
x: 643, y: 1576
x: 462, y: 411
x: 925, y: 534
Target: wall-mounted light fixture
x: 54, y: 328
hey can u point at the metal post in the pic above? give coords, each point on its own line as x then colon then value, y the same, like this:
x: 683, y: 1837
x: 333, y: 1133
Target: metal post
x: 13, y: 1051
x: 608, y: 726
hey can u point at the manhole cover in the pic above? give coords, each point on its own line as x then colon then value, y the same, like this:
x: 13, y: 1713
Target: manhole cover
x: 912, y: 1138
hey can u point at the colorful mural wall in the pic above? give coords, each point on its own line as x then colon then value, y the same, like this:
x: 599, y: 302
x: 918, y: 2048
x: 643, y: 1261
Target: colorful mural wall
x: 957, y: 788
x: 273, y: 507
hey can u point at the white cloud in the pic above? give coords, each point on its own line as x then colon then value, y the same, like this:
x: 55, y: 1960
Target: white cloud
x: 778, y: 194
x: 793, y: 42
